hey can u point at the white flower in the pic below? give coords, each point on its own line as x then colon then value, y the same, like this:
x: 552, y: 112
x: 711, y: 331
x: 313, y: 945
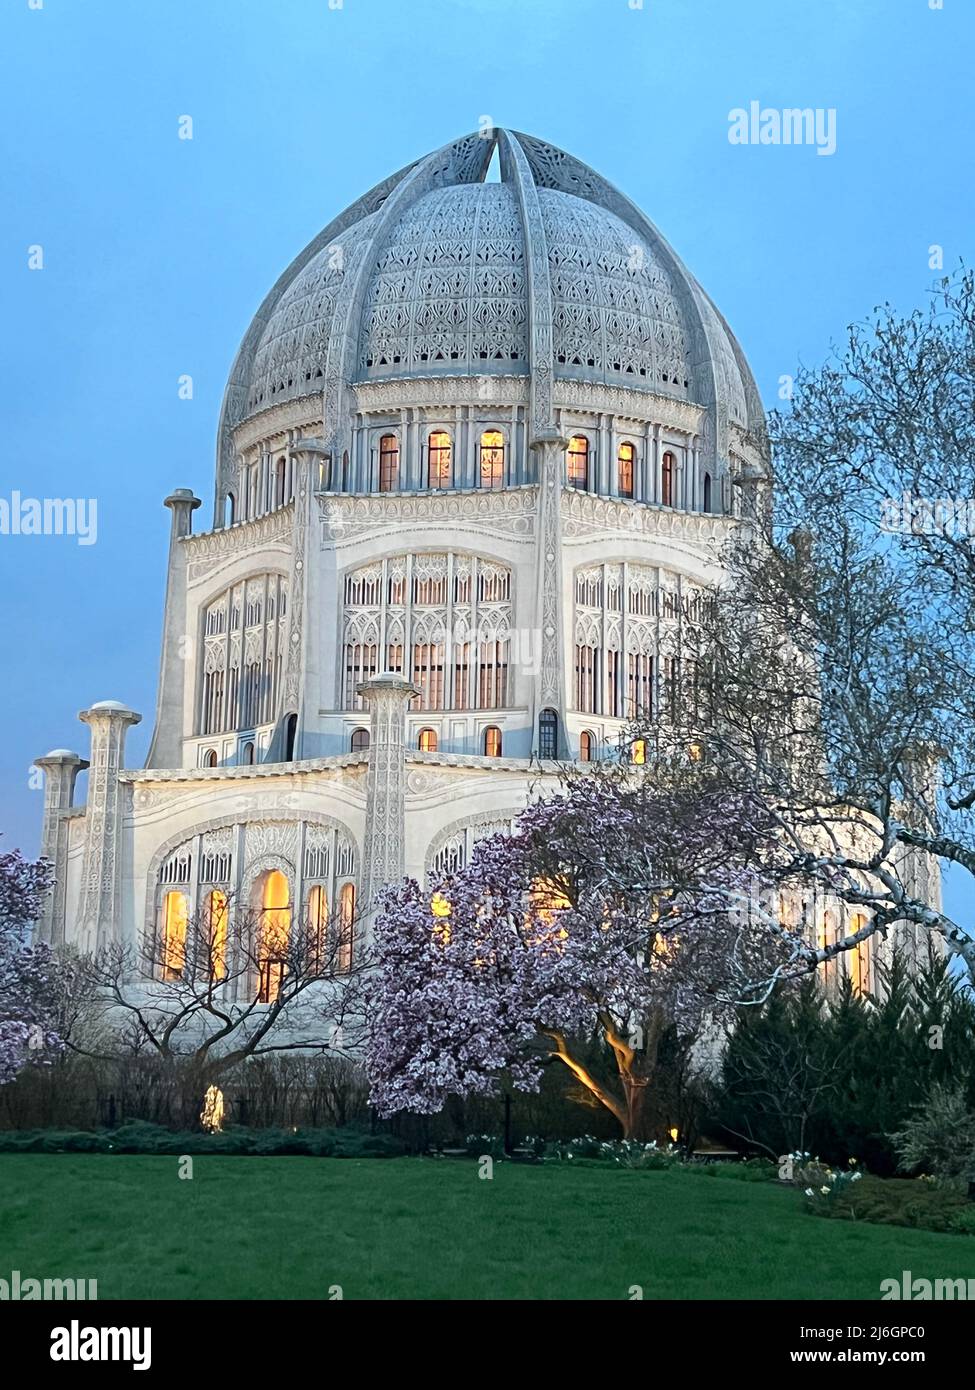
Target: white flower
x: 809, y: 1192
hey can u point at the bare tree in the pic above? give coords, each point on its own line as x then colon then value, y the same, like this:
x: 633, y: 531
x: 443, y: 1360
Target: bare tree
x: 230, y: 985
x: 835, y: 671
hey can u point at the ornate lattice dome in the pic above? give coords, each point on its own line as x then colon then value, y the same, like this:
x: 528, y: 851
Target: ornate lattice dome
x: 550, y: 273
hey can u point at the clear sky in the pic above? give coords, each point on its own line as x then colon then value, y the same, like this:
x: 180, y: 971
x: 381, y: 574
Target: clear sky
x: 156, y: 250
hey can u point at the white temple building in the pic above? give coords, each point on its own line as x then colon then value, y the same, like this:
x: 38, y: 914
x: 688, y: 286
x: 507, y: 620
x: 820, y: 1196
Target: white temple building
x: 478, y: 453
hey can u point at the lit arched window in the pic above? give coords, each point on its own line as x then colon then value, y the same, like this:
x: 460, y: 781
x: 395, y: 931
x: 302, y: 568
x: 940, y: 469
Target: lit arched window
x: 247, y: 754
x: 578, y: 462
x: 586, y: 746
x: 343, y: 958
x: 388, y: 463
x: 638, y: 751
x: 859, y: 957
x: 438, y: 459
x: 360, y: 740
x: 175, y: 916
x: 624, y: 463
x: 290, y: 737
x: 492, y: 741
x: 217, y: 913
x: 210, y: 758
x: 492, y: 459
x: 427, y: 742
x: 318, y: 928
x: 707, y: 492
x: 667, y: 480
x: 548, y: 734
x: 281, y: 483
x: 273, y: 934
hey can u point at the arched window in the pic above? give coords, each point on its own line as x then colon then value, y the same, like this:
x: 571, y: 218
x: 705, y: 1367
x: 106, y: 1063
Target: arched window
x: 290, y: 737
x: 229, y: 510
x: 492, y: 741
x: 388, y: 463
x: 175, y: 915
x: 667, y: 469
x: 318, y: 928
x: 242, y: 680
x: 281, y: 483
x: 217, y: 912
x: 586, y: 746
x: 360, y: 740
x: 624, y: 464
x: 438, y: 459
x: 273, y: 933
x: 247, y: 754
x: 707, y: 492
x: 210, y: 758
x: 638, y: 751
x: 253, y: 485
x: 427, y: 742
x: 548, y: 734
x: 343, y: 959
x: 827, y: 937
x: 492, y: 459
x: 578, y: 462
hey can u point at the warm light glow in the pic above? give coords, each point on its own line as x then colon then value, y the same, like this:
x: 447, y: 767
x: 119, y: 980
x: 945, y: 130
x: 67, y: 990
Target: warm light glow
x: 217, y: 915
x: 438, y: 447
x: 492, y: 459
x: 695, y: 751
x: 346, y: 926
x: 428, y: 741
x: 175, y: 913
x: 638, y: 751
x: 439, y: 905
x: 673, y: 1134
x: 275, y: 930
x: 860, y: 957
x: 318, y: 925
x: 547, y: 900
x: 211, y: 1116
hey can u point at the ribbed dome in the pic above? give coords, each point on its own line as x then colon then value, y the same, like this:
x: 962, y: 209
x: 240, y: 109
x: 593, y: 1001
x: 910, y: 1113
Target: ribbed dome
x: 550, y: 272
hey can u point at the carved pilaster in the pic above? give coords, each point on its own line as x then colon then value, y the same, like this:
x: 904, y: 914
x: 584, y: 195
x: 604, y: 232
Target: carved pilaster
x: 109, y: 722
x: 550, y: 680
x: 61, y: 768
x: 385, y: 851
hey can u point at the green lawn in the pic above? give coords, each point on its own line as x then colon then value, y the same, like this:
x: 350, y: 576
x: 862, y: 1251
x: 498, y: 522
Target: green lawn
x: 424, y: 1228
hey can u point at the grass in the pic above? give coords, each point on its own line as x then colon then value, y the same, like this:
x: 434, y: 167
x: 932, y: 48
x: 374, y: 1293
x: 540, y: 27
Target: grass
x: 431, y: 1229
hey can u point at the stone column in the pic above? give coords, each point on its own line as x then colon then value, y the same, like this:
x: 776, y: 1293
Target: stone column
x: 385, y: 846
x: 173, y: 720
x: 549, y: 690
x: 61, y: 768
x: 98, y: 916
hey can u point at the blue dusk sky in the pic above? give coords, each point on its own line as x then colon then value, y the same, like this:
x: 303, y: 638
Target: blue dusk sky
x: 157, y: 250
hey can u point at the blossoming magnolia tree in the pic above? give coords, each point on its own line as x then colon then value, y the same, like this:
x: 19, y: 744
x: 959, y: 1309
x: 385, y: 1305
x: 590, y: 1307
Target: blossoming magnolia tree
x: 613, y: 910
x: 28, y: 974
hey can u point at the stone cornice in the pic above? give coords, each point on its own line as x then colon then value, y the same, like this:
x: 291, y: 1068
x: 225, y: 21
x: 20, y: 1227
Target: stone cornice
x: 297, y: 413
x: 510, y: 511
x: 257, y: 771
x: 584, y: 514
x: 208, y: 548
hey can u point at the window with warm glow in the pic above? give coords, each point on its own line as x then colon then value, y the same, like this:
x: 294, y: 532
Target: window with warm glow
x: 217, y: 913
x: 667, y: 469
x: 578, y: 462
x: 388, y: 463
x: 625, y: 461
x: 343, y: 959
x: 492, y: 741
x: 638, y: 751
x: 438, y: 459
x: 175, y: 915
x: 318, y: 926
x: 492, y: 459
x: 273, y: 934
x: 586, y: 746
x: 860, y: 957
x: 428, y: 741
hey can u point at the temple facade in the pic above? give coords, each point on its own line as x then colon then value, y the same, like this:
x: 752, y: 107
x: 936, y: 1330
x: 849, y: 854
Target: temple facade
x: 478, y: 454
